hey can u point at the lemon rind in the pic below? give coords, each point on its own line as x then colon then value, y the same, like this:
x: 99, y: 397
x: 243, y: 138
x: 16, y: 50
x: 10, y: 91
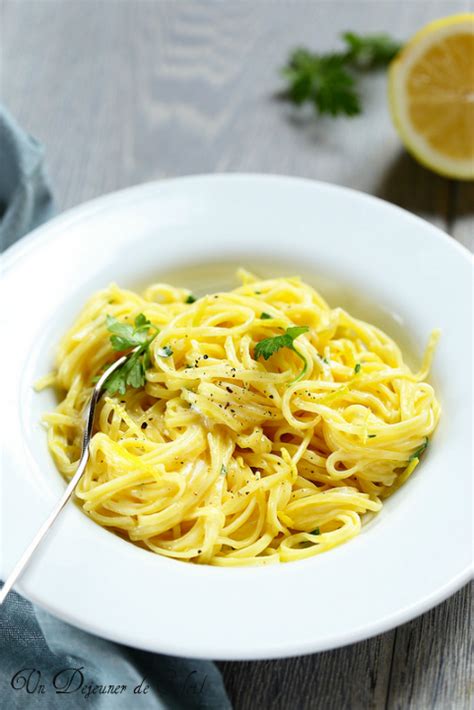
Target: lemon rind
x: 415, y: 143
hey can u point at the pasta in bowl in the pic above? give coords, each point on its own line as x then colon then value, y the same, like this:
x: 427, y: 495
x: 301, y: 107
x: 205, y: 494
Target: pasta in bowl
x: 373, y: 260
x: 251, y: 426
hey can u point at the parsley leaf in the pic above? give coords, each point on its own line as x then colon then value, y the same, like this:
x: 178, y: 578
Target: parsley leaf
x: 126, y: 337
x: 116, y: 382
x: 322, y: 80
x: 141, y: 321
x: 316, y: 531
x: 357, y: 368
x: 265, y: 316
x: 135, y: 371
x: 267, y: 347
x: 370, y: 51
x: 327, y: 81
x: 190, y: 299
x: 417, y: 454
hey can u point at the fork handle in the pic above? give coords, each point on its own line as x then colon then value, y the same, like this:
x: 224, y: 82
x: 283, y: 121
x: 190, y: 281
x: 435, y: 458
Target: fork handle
x: 26, y: 556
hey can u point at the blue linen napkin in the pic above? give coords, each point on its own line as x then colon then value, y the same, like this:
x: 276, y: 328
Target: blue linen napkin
x: 44, y: 662
x: 25, y: 196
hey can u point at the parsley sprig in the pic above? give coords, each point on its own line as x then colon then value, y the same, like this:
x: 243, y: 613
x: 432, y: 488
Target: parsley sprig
x: 370, y: 51
x: 323, y: 81
x: 327, y: 81
x: 126, y: 337
x: 267, y: 347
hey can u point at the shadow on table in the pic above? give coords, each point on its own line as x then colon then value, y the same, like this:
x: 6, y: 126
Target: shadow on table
x: 410, y: 185
x: 425, y: 663
x: 417, y: 189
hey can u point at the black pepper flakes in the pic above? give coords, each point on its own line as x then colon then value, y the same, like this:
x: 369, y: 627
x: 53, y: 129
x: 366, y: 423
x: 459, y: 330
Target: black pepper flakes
x: 144, y: 425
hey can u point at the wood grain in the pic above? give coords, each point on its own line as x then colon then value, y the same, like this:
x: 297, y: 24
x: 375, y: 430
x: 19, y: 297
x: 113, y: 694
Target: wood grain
x: 352, y: 677
x: 125, y: 91
x: 432, y: 663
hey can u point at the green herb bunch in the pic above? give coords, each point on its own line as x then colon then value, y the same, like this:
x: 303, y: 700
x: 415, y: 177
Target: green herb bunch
x: 328, y: 81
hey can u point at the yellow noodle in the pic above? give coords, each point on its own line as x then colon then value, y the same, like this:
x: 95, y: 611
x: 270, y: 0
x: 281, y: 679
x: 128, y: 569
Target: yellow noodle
x: 227, y: 460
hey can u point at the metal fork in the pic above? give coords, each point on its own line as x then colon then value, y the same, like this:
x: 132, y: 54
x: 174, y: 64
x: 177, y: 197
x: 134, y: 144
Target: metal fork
x: 89, y: 422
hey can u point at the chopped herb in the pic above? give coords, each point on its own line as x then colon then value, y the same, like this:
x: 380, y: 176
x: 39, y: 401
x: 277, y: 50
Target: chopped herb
x: 125, y: 337
x: 165, y: 352
x: 371, y: 436
x: 223, y: 470
x: 416, y: 454
x: 265, y: 316
x: 267, y: 347
x: 316, y: 531
x: 324, y: 359
x: 357, y: 368
x: 190, y: 298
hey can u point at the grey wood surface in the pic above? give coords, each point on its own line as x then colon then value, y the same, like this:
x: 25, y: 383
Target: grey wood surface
x: 124, y: 91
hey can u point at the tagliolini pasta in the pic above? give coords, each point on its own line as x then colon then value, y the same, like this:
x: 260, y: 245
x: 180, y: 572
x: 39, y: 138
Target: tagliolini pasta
x: 229, y: 453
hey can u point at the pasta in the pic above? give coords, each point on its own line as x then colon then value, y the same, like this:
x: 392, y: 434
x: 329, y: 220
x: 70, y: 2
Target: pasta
x: 229, y: 459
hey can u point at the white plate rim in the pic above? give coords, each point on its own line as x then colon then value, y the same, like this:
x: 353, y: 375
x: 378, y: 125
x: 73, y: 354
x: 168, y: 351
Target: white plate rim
x: 45, y: 232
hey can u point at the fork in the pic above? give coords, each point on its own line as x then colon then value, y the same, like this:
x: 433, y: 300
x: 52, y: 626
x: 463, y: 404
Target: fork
x: 89, y: 423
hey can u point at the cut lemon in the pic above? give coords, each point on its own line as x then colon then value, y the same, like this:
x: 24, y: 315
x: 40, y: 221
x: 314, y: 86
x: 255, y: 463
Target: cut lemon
x: 431, y: 92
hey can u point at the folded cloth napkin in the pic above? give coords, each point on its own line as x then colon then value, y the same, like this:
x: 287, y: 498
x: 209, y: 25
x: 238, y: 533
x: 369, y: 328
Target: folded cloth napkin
x: 25, y: 197
x: 44, y: 662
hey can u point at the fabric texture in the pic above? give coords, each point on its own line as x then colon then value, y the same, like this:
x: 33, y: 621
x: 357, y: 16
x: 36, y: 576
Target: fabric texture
x: 44, y: 662
x: 25, y: 196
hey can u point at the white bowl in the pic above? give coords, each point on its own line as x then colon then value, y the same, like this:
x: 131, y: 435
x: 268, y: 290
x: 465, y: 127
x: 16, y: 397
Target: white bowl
x: 369, y: 256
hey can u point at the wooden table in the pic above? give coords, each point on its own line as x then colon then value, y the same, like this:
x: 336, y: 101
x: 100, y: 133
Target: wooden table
x: 124, y: 91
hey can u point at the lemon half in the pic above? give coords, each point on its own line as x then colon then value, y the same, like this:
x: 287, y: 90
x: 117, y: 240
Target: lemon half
x: 431, y: 93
